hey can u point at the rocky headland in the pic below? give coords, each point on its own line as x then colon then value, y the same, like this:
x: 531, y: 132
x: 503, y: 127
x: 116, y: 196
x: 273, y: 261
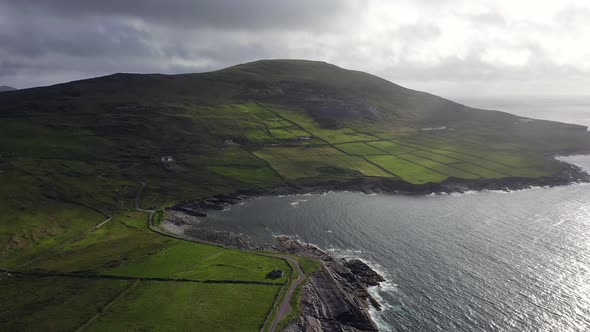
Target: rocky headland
x: 335, y: 298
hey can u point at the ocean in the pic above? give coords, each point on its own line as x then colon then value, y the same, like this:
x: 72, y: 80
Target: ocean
x: 479, y: 261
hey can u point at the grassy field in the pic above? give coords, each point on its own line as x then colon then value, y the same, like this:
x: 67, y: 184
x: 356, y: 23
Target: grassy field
x: 53, y: 303
x: 160, y: 306
x: 124, y: 247
x: 71, y: 156
x: 305, y: 162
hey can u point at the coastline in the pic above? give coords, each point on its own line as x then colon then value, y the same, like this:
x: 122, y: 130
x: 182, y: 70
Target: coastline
x: 336, y: 297
x: 568, y: 174
x: 357, y: 300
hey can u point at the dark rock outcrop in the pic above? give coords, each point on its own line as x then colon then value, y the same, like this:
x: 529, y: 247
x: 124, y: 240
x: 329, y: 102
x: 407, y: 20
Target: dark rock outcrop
x: 363, y: 272
x: 334, y: 298
x: 567, y: 174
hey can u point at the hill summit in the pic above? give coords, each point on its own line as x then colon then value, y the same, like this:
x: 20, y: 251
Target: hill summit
x: 6, y: 88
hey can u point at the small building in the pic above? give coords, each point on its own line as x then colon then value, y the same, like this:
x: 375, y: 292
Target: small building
x: 303, y: 138
x: 275, y: 274
x: 167, y: 159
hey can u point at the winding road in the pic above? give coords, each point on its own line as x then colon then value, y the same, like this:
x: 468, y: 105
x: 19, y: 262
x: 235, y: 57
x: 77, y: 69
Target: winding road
x: 284, y: 305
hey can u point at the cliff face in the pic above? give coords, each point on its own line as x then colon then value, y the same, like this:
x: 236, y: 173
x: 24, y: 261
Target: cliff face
x: 335, y: 298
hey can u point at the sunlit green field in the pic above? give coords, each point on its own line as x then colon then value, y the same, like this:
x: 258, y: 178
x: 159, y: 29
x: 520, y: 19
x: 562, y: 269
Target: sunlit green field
x: 124, y: 247
x: 72, y: 155
x: 158, y: 306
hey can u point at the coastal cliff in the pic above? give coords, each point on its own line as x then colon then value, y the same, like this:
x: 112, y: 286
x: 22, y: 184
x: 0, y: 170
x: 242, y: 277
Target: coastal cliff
x: 336, y: 297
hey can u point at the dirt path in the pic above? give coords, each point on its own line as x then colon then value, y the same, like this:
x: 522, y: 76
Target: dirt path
x: 102, y: 223
x: 284, y: 306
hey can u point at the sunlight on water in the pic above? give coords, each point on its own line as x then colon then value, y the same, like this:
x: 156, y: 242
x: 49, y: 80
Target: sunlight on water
x: 517, y: 261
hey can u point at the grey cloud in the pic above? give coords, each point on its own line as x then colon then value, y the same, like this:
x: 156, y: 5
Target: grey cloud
x: 418, y: 31
x: 78, y: 38
x: 491, y: 18
x: 59, y: 38
x: 226, y: 14
x: 573, y: 15
x: 50, y: 41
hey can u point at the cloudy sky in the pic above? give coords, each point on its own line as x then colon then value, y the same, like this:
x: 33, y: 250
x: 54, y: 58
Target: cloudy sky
x: 455, y: 48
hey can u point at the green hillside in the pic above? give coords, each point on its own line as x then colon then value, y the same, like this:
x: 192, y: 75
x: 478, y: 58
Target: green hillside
x: 71, y: 155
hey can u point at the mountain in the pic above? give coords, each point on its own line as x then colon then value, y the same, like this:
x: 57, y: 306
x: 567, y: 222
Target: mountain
x: 271, y: 121
x: 77, y: 159
x: 263, y: 124
x: 6, y: 88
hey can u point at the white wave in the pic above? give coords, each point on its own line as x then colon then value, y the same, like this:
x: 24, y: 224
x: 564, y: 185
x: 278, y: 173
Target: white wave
x: 511, y: 191
x: 297, y: 202
x: 282, y: 235
x: 468, y: 192
x: 387, y: 286
x: 344, y: 253
x: 561, y: 221
x: 385, y: 306
x: 381, y: 324
x: 376, y: 292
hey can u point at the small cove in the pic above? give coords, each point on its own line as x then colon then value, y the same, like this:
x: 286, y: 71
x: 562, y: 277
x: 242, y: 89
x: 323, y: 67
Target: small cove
x: 486, y: 260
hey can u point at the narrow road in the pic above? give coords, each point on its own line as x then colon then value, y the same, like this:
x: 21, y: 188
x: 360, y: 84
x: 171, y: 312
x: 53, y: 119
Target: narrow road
x: 284, y: 306
x: 150, y: 213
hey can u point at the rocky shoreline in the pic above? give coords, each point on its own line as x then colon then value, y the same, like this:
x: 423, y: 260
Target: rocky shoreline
x: 567, y: 175
x: 336, y: 297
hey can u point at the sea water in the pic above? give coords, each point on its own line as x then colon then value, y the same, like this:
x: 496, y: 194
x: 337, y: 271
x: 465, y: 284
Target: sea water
x: 480, y: 261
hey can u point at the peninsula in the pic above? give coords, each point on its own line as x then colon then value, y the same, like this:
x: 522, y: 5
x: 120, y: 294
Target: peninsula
x: 89, y: 168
